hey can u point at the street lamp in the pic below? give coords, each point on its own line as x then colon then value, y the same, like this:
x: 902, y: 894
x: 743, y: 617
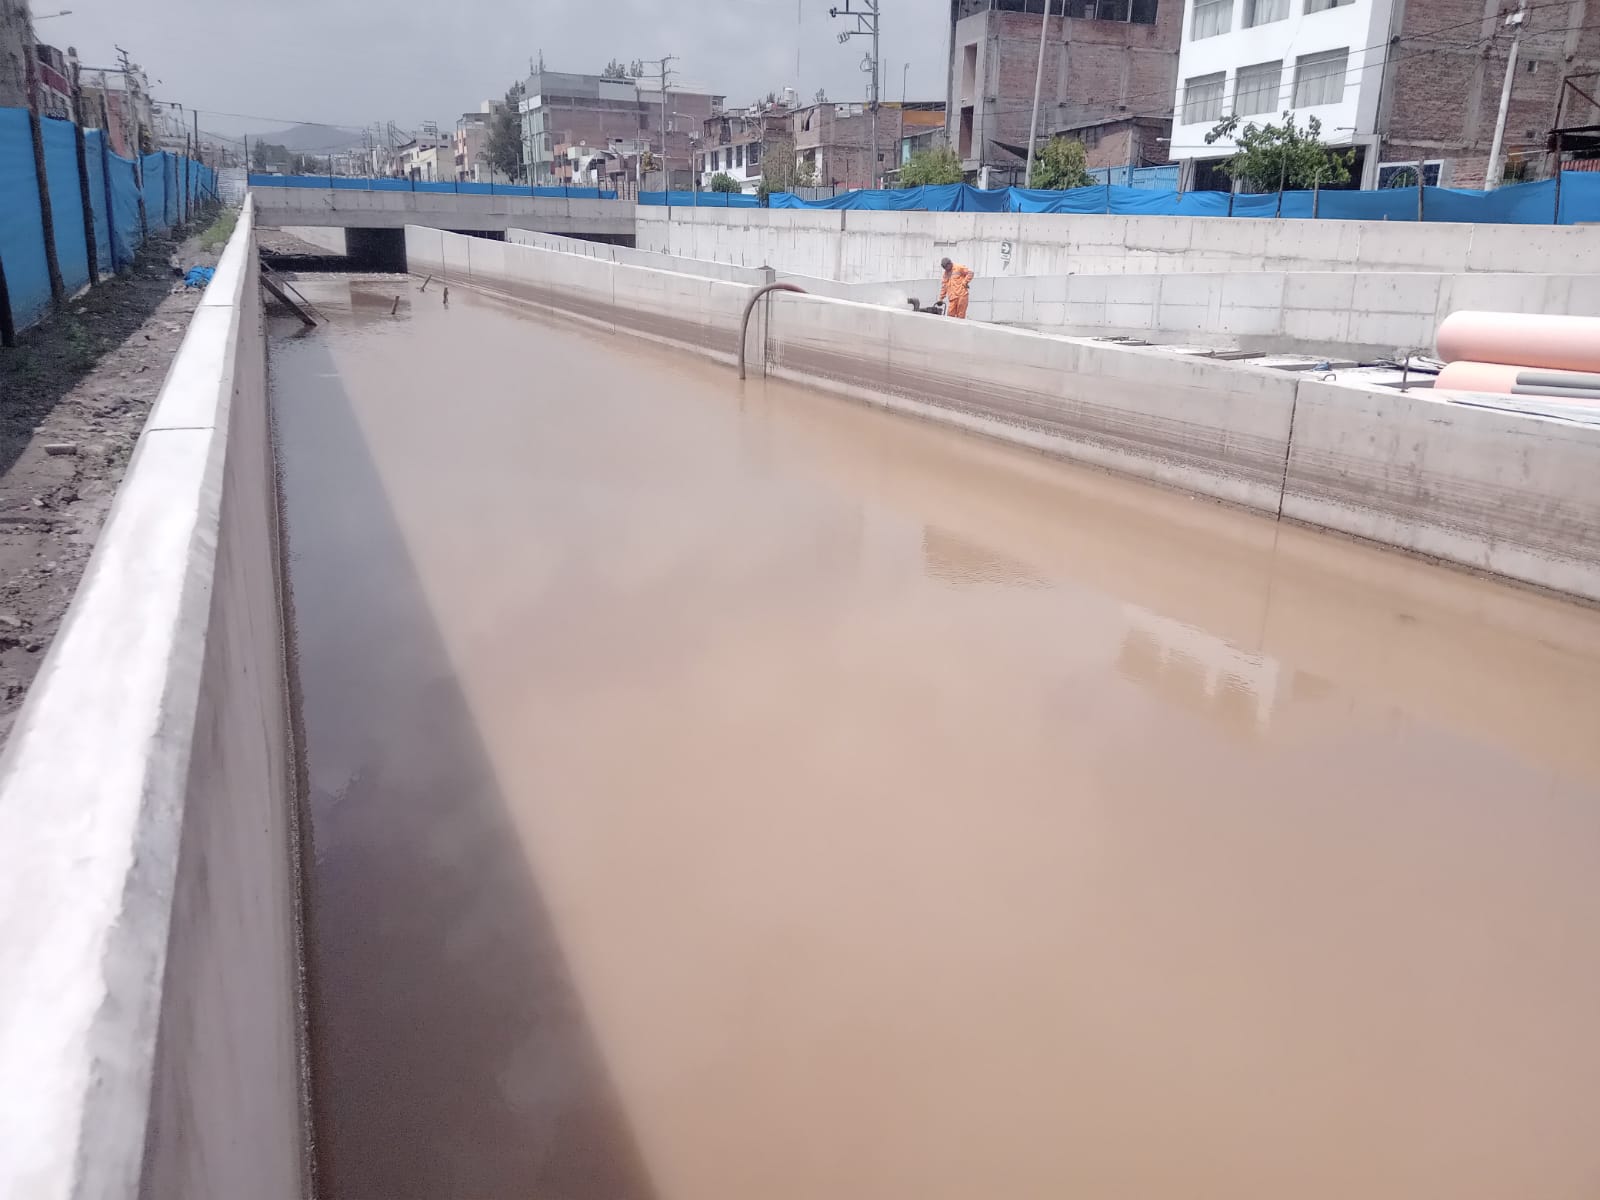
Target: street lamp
x: 65, y: 12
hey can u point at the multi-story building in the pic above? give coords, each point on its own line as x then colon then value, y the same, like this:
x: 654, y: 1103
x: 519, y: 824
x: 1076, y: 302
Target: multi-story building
x: 472, y: 145
x: 1108, y: 73
x: 117, y: 101
x: 427, y: 157
x: 731, y: 144
x: 52, y: 82
x: 1400, y: 82
x: 835, y: 140
x: 570, y: 110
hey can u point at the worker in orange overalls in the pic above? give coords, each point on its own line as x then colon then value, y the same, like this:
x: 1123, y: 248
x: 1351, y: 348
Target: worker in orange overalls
x: 957, y: 279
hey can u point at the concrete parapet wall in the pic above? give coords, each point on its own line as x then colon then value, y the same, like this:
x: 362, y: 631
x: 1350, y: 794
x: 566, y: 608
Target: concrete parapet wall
x: 150, y: 1018
x: 1314, y: 312
x: 863, y: 247
x: 1503, y: 492
x: 687, y: 311
x: 638, y: 258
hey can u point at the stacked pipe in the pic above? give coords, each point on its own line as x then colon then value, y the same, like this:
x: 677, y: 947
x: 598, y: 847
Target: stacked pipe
x: 1521, y: 354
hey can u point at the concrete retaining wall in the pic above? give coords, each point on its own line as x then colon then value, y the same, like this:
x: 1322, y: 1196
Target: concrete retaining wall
x: 328, y: 238
x: 863, y: 247
x: 1314, y: 312
x: 1511, y: 494
x: 150, y: 1018
x: 686, y: 311
x: 1214, y: 428
x: 1517, y: 495
x: 639, y: 258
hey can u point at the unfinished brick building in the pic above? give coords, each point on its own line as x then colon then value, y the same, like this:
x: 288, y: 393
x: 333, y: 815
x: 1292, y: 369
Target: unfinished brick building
x: 1443, y: 78
x: 1110, y: 67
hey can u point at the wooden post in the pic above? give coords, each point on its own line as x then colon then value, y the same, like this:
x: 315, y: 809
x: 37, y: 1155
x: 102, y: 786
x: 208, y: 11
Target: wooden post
x: 105, y: 171
x: 1555, y: 219
x: 47, y: 223
x: 188, y: 152
x: 87, y: 201
x: 8, y: 329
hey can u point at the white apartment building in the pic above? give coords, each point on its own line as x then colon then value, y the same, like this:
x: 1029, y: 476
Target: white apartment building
x: 1258, y: 59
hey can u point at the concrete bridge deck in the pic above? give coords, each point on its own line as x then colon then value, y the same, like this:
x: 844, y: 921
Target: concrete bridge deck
x: 350, y: 209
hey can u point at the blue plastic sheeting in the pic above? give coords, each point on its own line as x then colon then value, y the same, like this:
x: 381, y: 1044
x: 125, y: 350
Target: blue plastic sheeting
x: 125, y: 232
x: 703, y: 200
x: 154, y: 190
x: 21, y: 230
x: 94, y: 159
x: 66, y: 201
x: 1520, y: 204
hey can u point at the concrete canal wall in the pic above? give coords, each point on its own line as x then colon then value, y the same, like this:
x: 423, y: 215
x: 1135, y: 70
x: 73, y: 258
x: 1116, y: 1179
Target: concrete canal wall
x: 150, y: 1018
x: 1512, y: 494
x: 866, y: 247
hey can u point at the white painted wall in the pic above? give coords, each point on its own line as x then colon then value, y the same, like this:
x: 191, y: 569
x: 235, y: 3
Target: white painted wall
x: 1360, y: 26
x: 150, y: 1017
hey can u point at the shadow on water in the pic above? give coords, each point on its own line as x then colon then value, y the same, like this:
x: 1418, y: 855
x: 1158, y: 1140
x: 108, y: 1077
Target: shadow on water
x: 451, y: 1053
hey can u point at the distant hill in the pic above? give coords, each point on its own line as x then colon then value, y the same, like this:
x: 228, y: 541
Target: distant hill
x: 312, y: 139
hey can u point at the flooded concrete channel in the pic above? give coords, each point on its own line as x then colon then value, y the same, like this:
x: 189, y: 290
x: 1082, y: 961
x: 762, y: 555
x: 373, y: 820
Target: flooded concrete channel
x: 727, y: 791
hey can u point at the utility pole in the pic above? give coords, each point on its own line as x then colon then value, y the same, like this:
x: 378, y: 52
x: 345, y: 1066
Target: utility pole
x: 1496, y: 158
x: 1038, y: 80
x: 866, y: 25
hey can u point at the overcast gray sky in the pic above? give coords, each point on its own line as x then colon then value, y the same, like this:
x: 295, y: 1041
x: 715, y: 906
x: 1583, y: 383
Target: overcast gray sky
x: 352, y: 62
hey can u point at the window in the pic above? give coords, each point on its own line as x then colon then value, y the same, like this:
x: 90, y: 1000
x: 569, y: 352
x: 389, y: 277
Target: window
x: 1202, y: 99
x: 738, y: 156
x: 1256, y: 88
x: 1134, y: 12
x: 716, y: 160
x: 1319, y: 78
x: 1316, y: 6
x: 1398, y: 175
x: 753, y: 158
x: 1264, y: 12
x: 1091, y: 137
x: 1211, y: 17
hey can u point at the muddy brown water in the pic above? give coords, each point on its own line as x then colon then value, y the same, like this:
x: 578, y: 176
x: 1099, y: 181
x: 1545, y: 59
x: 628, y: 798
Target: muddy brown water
x: 723, y: 790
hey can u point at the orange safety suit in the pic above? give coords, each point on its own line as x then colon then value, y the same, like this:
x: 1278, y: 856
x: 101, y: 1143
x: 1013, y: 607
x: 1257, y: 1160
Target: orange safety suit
x: 954, y: 291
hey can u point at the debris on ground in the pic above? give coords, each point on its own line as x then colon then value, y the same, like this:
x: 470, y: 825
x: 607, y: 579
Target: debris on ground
x: 76, y: 391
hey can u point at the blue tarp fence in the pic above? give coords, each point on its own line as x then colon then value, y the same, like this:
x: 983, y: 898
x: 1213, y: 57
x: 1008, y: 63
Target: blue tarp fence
x: 700, y: 199
x: 1519, y: 204
x: 113, y: 202
x: 348, y: 183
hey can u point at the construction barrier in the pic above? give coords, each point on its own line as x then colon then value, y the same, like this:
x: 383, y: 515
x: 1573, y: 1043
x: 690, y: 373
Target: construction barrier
x: 115, y: 186
x: 1574, y: 200
x: 350, y: 183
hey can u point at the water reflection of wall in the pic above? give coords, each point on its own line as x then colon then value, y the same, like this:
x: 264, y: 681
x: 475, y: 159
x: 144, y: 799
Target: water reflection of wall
x: 1199, y: 671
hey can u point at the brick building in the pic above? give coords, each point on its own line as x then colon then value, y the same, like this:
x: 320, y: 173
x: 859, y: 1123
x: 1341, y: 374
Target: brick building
x: 1442, y: 83
x: 1401, y: 82
x: 1109, y: 72
x: 836, y: 140
x: 563, y: 109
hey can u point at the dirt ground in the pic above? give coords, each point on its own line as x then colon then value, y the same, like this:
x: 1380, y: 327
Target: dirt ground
x: 74, y: 395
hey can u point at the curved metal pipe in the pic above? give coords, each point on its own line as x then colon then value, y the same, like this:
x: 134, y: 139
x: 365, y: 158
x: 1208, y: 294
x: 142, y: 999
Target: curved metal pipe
x: 744, y: 325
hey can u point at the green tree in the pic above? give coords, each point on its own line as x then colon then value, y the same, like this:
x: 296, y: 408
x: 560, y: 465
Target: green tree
x: 723, y: 182
x: 932, y: 167
x: 1061, y: 164
x: 779, y: 171
x: 615, y: 70
x: 504, y: 147
x: 1282, y: 157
